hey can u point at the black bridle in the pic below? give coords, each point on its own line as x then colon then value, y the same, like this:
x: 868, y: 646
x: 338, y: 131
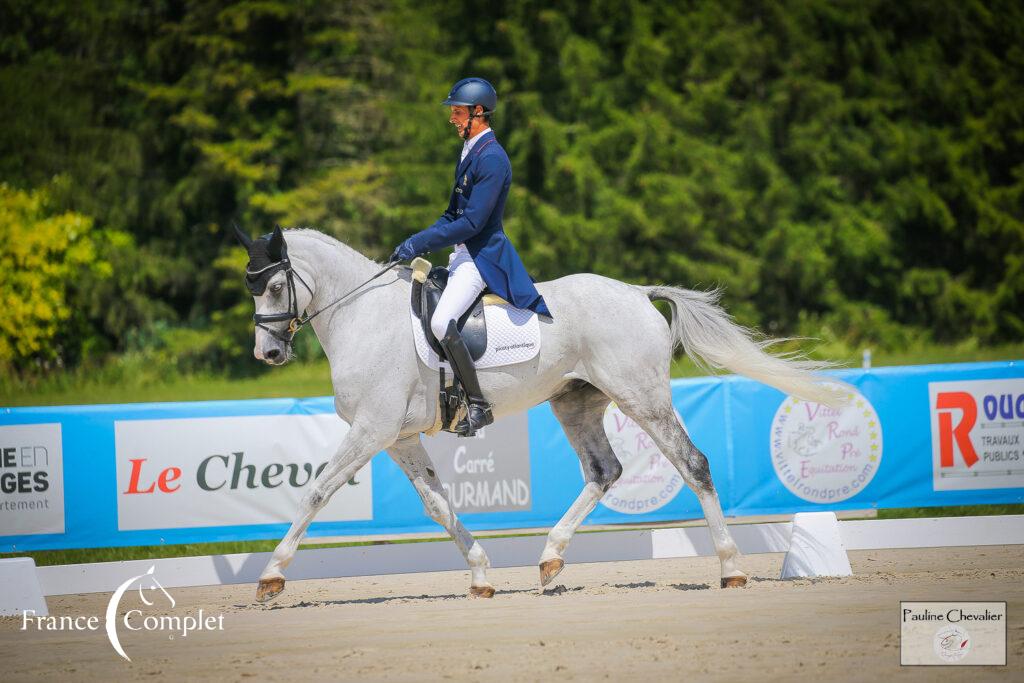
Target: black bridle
x: 295, y: 321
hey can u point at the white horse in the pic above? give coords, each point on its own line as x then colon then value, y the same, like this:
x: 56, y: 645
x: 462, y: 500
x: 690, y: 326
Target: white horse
x: 607, y: 342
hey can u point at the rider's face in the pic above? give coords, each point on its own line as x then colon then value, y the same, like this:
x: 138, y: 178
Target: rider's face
x: 459, y: 118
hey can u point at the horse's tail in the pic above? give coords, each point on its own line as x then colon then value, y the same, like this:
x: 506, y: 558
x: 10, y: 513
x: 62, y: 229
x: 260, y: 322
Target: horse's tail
x: 712, y: 340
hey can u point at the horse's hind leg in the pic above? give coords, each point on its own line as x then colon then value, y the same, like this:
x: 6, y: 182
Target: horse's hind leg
x: 414, y: 461
x: 654, y: 413
x: 581, y: 412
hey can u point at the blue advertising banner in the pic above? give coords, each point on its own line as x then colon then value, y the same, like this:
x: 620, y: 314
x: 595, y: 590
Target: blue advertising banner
x: 164, y: 473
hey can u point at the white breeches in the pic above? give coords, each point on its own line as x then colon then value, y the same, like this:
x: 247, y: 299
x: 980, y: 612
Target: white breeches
x: 464, y: 286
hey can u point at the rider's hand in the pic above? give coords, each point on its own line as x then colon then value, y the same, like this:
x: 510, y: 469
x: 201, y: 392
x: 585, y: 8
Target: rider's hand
x: 403, y: 252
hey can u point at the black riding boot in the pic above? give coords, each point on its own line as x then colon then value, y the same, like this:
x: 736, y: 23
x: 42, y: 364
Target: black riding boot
x: 479, y: 410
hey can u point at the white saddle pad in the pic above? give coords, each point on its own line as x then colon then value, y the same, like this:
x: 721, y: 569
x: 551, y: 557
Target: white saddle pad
x: 513, y: 336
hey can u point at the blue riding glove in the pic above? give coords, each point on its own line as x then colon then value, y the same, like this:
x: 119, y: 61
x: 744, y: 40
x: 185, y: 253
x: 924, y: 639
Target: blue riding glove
x: 404, y: 251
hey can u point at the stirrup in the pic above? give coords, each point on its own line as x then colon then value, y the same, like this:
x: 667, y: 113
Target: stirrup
x: 467, y: 426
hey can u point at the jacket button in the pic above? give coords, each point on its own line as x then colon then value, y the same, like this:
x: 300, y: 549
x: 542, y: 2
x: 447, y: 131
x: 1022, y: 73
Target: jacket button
x: 459, y: 211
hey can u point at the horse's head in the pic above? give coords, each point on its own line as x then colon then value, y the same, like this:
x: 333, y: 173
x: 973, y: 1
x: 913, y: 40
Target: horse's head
x: 271, y: 279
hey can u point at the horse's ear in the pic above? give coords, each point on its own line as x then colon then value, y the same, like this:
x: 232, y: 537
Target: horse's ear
x: 242, y: 237
x: 275, y: 249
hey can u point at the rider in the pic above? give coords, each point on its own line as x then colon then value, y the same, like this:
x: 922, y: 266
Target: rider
x: 483, y: 255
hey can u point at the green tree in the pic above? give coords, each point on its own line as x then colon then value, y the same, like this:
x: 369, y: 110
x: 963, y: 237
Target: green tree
x: 42, y: 252
x: 849, y: 168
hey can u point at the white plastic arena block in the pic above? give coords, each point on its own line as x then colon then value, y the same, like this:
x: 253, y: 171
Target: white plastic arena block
x: 19, y: 588
x: 816, y: 547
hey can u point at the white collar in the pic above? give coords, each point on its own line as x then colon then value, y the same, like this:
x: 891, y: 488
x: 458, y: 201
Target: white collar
x: 468, y: 145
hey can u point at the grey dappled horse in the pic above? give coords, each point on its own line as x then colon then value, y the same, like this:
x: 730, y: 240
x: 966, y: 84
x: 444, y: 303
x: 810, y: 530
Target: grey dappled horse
x: 607, y: 343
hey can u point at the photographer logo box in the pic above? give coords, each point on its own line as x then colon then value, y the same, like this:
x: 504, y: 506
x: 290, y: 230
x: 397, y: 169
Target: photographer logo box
x: 953, y: 633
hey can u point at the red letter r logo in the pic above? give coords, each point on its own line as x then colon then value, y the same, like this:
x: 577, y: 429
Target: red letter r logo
x: 956, y: 400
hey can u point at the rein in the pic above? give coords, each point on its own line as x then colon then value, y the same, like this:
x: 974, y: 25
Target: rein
x: 295, y: 321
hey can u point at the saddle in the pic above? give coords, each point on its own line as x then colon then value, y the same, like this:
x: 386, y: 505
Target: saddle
x: 428, y: 284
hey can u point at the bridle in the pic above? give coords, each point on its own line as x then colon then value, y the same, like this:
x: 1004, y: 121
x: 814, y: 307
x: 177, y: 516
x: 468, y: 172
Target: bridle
x: 295, y: 321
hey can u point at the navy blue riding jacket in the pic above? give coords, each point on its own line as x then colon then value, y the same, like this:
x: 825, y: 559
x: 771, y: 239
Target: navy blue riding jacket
x: 474, y: 217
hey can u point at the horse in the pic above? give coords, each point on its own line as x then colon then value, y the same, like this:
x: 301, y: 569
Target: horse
x: 607, y: 342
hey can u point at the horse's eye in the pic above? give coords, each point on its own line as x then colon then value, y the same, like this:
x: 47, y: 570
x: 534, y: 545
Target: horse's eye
x: 276, y: 288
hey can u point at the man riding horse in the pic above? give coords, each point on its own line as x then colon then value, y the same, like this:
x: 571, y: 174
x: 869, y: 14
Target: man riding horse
x: 483, y: 257
x: 609, y: 344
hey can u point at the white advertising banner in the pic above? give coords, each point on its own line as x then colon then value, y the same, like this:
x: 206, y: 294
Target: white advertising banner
x: 226, y: 471
x: 977, y: 434
x: 31, y: 480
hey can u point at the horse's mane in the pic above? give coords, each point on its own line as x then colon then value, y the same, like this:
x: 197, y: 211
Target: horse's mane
x: 326, y: 240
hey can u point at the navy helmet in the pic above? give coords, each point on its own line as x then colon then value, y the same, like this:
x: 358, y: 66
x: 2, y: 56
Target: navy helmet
x: 470, y: 92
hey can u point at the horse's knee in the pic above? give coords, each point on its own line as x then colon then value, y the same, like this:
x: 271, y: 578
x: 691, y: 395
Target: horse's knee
x: 315, y: 498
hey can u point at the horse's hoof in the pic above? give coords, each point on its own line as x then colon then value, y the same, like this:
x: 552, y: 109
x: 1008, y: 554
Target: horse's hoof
x: 734, y: 582
x: 550, y: 569
x: 481, y: 591
x: 268, y: 589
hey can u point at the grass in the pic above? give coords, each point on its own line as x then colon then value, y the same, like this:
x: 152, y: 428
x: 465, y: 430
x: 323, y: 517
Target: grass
x: 953, y: 511
x: 143, y: 552
x: 139, y: 381
x: 309, y: 378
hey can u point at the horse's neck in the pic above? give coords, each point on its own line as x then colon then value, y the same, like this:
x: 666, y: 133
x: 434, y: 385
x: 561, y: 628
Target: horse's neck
x: 333, y: 269
x: 349, y: 333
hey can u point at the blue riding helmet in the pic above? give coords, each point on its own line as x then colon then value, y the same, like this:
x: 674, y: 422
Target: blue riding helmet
x: 470, y: 92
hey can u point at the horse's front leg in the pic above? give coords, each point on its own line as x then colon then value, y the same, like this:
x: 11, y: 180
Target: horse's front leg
x: 356, y: 449
x: 414, y: 461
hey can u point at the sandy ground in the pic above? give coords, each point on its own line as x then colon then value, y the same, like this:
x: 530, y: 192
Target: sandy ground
x: 656, y: 619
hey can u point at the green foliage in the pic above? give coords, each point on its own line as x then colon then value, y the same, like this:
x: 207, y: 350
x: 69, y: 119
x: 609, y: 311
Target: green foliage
x: 953, y: 511
x: 42, y: 253
x: 848, y: 171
